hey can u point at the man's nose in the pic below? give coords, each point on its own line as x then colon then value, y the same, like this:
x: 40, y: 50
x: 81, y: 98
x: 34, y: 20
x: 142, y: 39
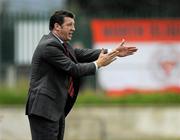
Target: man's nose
x: 73, y: 28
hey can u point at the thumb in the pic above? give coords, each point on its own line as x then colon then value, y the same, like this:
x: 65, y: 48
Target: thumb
x: 121, y: 43
x: 102, y: 50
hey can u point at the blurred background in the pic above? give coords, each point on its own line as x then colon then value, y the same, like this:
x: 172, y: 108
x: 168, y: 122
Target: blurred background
x: 135, y: 98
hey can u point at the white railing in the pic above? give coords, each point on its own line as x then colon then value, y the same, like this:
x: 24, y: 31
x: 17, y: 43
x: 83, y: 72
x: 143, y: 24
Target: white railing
x: 27, y: 35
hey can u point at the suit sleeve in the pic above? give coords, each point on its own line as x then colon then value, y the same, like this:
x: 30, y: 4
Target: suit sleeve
x: 87, y: 55
x: 58, y: 59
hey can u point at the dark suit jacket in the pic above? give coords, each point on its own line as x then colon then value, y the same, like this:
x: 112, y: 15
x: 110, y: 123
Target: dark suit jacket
x: 48, y: 93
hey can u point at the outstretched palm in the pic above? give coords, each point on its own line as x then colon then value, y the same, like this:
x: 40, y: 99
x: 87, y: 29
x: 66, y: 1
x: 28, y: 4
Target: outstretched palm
x: 124, y: 50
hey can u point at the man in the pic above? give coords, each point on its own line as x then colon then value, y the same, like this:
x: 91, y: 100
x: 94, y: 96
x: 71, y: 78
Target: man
x: 55, y: 73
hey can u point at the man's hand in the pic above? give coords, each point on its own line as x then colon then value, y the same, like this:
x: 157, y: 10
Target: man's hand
x: 124, y: 50
x: 106, y: 59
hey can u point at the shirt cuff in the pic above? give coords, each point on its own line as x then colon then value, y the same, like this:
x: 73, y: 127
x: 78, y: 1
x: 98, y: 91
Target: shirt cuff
x: 108, y: 51
x: 96, y: 65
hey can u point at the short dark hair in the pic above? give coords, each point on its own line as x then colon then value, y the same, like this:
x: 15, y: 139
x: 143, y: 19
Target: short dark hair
x: 58, y: 17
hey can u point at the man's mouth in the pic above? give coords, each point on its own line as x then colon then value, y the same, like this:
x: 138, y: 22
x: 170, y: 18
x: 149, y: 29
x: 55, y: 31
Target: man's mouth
x: 70, y: 34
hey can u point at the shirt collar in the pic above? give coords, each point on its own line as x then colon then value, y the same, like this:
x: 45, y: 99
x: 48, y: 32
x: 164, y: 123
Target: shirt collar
x: 58, y: 38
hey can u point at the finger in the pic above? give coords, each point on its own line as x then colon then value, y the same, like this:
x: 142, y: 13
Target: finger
x: 112, y: 60
x: 135, y: 50
x: 130, y: 53
x: 132, y: 50
x: 113, y: 55
x: 102, y: 52
x: 122, y: 42
x: 112, y: 52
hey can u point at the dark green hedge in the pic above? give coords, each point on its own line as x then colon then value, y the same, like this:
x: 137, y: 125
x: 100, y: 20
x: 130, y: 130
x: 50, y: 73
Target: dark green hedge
x: 131, y: 99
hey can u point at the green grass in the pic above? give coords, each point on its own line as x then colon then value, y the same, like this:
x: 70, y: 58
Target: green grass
x: 132, y: 99
x: 18, y: 96
x: 13, y: 96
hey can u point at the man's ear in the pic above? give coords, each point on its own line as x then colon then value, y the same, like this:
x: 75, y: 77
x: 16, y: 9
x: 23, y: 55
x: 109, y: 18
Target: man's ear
x: 57, y: 26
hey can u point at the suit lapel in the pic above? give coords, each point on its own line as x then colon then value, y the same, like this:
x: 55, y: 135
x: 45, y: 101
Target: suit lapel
x: 57, y: 40
x: 69, y: 47
x: 71, y: 52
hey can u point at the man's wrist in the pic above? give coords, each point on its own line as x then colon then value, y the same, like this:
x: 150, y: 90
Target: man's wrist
x: 96, y: 65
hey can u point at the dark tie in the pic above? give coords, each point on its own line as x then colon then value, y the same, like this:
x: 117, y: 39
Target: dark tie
x: 70, y: 85
x: 66, y: 49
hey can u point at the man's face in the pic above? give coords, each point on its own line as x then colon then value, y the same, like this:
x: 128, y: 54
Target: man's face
x: 66, y: 30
